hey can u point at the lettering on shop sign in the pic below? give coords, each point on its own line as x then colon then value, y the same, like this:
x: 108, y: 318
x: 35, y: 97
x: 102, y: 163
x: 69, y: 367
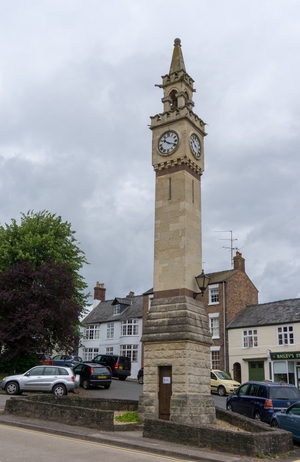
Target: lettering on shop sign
x: 292, y: 355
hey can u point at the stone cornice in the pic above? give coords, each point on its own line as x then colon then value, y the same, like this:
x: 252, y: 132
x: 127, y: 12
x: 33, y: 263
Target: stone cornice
x: 176, y: 114
x: 180, y: 161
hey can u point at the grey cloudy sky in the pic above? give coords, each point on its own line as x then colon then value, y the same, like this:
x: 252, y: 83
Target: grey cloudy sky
x: 76, y: 93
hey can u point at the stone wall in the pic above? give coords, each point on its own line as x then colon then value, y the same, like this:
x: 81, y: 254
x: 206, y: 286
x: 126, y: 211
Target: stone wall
x: 76, y: 411
x: 257, y: 438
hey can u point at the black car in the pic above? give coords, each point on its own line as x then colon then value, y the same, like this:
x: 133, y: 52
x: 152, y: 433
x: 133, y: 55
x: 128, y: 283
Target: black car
x: 93, y: 375
x: 120, y: 365
x: 140, y: 376
x: 260, y: 400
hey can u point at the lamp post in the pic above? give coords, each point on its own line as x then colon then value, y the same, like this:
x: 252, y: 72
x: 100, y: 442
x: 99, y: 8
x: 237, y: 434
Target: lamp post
x: 202, y: 282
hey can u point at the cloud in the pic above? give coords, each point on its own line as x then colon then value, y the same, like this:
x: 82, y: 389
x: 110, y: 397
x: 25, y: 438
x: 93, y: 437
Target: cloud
x: 77, y: 88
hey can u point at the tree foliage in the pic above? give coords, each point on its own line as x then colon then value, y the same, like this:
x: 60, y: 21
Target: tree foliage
x: 37, y: 309
x: 41, y: 289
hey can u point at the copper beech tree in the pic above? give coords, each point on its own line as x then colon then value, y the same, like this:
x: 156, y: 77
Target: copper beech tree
x: 41, y: 290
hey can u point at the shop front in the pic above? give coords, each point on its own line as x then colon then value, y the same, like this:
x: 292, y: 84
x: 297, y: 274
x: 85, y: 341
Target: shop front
x: 285, y: 367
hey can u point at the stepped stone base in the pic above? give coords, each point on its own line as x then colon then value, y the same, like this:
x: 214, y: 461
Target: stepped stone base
x: 176, y: 334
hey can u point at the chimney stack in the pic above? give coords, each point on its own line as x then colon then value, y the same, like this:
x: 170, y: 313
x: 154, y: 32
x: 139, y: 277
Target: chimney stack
x: 99, y: 292
x: 239, y: 262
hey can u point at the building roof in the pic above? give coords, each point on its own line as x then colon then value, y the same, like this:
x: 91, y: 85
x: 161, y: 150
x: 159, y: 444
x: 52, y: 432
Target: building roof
x: 280, y: 312
x: 221, y: 276
x: 103, y: 312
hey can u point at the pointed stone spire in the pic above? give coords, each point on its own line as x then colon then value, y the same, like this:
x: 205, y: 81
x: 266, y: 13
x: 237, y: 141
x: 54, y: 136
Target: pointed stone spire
x: 177, y: 63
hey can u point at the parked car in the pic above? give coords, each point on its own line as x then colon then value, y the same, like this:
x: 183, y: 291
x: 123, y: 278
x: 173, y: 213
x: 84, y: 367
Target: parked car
x: 120, y: 365
x: 288, y: 419
x: 58, y: 380
x: 222, y: 383
x: 44, y: 358
x: 260, y: 400
x: 93, y: 375
x: 140, y: 376
x: 66, y: 360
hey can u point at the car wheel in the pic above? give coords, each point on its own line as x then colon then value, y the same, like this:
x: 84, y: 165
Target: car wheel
x: 141, y: 380
x: 228, y: 407
x: 12, y: 388
x: 256, y: 415
x: 106, y: 387
x: 274, y: 423
x: 221, y: 391
x: 122, y: 378
x: 85, y: 385
x: 59, y: 390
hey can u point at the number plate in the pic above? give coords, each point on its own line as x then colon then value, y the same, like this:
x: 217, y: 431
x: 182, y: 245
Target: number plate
x: 120, y: 367
x: 101, y: 376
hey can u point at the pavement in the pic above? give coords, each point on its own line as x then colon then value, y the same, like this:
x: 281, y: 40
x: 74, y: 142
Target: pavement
x: 134, y: 440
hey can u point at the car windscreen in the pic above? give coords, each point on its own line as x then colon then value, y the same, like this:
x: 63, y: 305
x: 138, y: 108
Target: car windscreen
x: 100, y: 370
x: 222, y: 375
x: 284, y: 393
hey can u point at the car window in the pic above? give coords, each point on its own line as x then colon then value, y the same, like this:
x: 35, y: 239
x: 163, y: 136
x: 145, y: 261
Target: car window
x: 51, y: 371
x: 212, y: 376
x: 223, y: 376
x: 78, y: 368
x: 295, y: 409
x: 243, y: 389
x: 284, y: 393
x: 63, y: 371
x: 36, y: 371
x: 253, y: 389
x: 100, y: 370
x: 58, y: 357
x: 261, y: 392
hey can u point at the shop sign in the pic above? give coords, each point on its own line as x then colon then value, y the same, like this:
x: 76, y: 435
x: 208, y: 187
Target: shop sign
x: 278, y: 356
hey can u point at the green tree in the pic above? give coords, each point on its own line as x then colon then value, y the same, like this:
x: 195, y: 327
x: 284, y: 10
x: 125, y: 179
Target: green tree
x: 44, y: 248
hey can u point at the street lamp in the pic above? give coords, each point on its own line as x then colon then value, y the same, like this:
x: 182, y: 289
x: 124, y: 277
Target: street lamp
x: 202, y: 282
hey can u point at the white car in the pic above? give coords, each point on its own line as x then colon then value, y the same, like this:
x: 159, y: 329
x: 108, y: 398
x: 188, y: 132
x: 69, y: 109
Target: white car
x: 55, y: 379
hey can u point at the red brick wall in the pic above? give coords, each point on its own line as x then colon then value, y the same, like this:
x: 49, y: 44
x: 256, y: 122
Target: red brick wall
x: 237, y: 292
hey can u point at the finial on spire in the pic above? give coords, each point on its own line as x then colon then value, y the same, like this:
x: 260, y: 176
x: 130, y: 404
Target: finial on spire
x: 177, y: 63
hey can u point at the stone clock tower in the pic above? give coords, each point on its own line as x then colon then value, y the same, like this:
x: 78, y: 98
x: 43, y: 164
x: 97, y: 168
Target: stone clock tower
x: 176, y: 337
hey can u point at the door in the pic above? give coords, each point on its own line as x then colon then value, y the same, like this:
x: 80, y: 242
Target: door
x: 256, y: 371
x: 164, y: 392
x: 33, y: 379
x: 237, y: 372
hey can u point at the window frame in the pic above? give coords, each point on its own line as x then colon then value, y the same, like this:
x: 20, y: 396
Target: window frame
x: 89, y: 354
x: 212, y: 317
x: 130, y: 327
x: 133, y: 351
x: 250, y: 338
x: 288, y: 334
x: 110, y: 331
x: 211, y: 288
x: 92, y: 332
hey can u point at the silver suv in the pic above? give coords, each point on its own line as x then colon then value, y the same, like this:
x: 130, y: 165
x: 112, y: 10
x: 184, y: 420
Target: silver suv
x: 55, y: 379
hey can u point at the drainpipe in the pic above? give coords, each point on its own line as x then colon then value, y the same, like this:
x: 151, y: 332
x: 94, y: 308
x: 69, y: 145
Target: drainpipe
x: 224, y: 328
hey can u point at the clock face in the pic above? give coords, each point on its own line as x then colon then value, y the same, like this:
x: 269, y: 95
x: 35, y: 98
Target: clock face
x: 168, y: 142
x: 195, y: 145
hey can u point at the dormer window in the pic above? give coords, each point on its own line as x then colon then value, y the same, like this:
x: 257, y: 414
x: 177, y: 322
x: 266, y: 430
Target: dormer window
x: 117, y: 309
